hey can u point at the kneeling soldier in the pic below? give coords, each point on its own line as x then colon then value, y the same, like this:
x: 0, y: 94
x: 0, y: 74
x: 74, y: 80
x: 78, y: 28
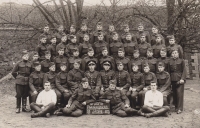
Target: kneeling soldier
x: 36, y: 82
x: 79, y: 99
x: 45, y: 103
x: 118, y: 101
x: 153, y: 103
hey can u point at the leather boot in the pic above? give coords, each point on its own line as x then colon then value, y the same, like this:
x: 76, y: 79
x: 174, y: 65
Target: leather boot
x: 44, y: 112
x: 58, y: 103
x: 18, y: 105
x: 159, y: 112
x: 24, y: 109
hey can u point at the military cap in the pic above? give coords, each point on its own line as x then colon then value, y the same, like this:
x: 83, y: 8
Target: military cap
x: 100, y: 33
x: 134, y: 64
x: 72, y: 37
x: 42, y: 36
x: 61, y: 48
x: 150, y: 50
x: 77, y: 61
x: 146, y: 65
x: 125, y: 26
x: 63, y: 64
x: 83, y: 24
x: 91, y: 62
x: 171, y: 37
x: 104, y: 48
x: 36, y: 63
x: 140, y: 24
x: 128, y: 34
x: 24, y: 52
x: 174, y: 49
x: 47, y: 52
x: 159, y: 35
x: 120, y: 50
x: 90, y: 49
x: 161, y: 64
x: 99, y: 23
x: 35, y: 54
x: 72, y: 26
x: 154, y: 26
x: 114, y: 33
x: 119, y: 63
x: 163, y: 49
x: 46, y: 25
x: 51, y: 64
x: 84, y: 80
x: 112, y: 82
x: 106, y: 63
x: 143, y: 34
x: 75, y: 50
x: 53, y: 36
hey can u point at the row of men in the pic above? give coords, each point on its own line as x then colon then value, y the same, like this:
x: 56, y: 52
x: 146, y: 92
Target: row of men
x: 133, y: 85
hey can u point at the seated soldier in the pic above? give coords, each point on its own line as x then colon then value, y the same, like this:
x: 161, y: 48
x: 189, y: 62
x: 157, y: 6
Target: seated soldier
x: 137, y: 84
x: 151, y: 61
x: 153, y: 103
x: 164, y: 82
x: 118, y: 101
x: 74, y: 76
x: 106, y: 75
x: 36, y: 82
x: 137, y: 60
x: 79, y: 99
x: 45, y: 103
x: 94, y: 78
x: 121, y: 58
x: 61, y: 84
x: 123, y: 78
x: 148, y: 78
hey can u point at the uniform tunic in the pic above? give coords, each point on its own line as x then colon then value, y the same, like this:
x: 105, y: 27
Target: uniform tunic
x: 71, y: 61
x: 129, y: 47
x: 52, y: 49
x: 143, y: 46
x: 70, y: 47
x: 59, y: 35
x: 51, y: 77
x: 106, y: 76
x: 153, y: 39
x: 45, y: 65
x: 98, y: 47
x: 152, y: 64
x: 86, y: 60
x: 165, y: 60
x: 41, y: 49
x: 175, y: 46
x: 80, y: 35
x: 83, y: 48
x: 36, y: 81
x: 125, y: 62
x: 106, y: 58
x: 137, y: 80
x: 123, y: 79
x: 138, y: 35
x: 95, y: 34
x: 114, y: 46
x: 156, y: 49
x: 61, y: 45
x: 58, y: 60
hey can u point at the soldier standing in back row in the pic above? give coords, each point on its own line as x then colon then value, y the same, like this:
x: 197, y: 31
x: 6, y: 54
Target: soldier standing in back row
x: 21, y: 73
x: 154, y: 35
x: 52, y: 47
x: 129, y: 45
x: 60, y: 34
x: 82, y: 33
x: 111, y: 30
x: 83, y: 47
x: 125, y: 32
x: 121, y: 58
x: 143, y: 46
x: 42, y: 47
x: 142, y: 32
x: 157, y: 46
x: 99, y: 31
x: 47, y: 34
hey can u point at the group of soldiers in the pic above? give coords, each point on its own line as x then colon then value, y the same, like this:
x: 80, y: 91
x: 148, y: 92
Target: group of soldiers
x: 68, y: 71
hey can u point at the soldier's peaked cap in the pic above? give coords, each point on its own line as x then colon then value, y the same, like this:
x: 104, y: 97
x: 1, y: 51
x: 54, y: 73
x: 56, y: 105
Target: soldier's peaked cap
x: 106, y: 63
x: 91, y: 62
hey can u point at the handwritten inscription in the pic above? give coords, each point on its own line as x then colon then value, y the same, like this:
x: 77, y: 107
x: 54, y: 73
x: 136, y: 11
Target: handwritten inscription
x: 98, y: 108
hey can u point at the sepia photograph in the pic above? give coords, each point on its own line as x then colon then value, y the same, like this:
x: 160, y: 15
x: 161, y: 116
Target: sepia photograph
x: 100, y: 63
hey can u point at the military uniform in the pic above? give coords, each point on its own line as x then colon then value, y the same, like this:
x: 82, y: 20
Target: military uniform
x: 35, y: 84
x: 117, y: 102
x: 61, y: 45
x: 156, y: 50
x: 153, y: 39
x: 129, y: 47
x: 86, y: 60
x: 78, y: 97
x: 98, y: 48
x: 137, y: 61
x: 114, y: 46
x: 124, y: 60
x: 137, y: 82
x: 123, y: 37
x: 80, y: 35
x: 147, y: 35
x: 45, y: 65
x: 94, y: 36
x: 165, y: 60
x: 143, y: 46
x: 41, y: 49
x: 71, y: 61
x: 109, y: 37
x: 83, y: 48
x: 175, y: 46
x: 107, y: 58
x: 52, y: 49
x: 74, y: 78
x: 70, y: 47
x: 58, y: 36
x: 62, y: 86
x: 148, y: 78
x: 152, y: 62
x: 177, y: 72
x: 48, y: 35
x: 58, y: 60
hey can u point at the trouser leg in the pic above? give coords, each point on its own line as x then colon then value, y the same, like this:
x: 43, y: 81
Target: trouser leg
x: 141, y: 97
x: 18, y: 105
x: 134, y: 99
x: 180, y: 96
x: 174, y: 94
x: 147, y: 109
x: 68, y: 111
x: 77, y: 113
x: 59, y: 96
x: 161, y: 111
x: 165, y: 101
x: 36, y: 108
x: 121, y: 113
x: 24, y: 102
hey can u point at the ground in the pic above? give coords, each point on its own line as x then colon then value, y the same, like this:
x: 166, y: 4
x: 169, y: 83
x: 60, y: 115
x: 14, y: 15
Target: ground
x: 190, y: 118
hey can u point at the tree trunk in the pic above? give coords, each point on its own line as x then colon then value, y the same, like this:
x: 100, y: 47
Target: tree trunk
x: 170, y: 11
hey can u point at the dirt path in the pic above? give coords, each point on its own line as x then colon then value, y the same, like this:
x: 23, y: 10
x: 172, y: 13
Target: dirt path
x: 8, y: 118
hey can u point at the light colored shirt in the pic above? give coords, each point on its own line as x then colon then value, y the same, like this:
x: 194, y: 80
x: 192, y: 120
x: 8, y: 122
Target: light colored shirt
x: 153, y: 98
x: 46, y: 97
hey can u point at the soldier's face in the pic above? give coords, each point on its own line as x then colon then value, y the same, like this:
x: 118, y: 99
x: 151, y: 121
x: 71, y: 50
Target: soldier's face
x: 106, y: 67
x: 47, y: 86
x: 128, y: 37
x: 86, y: 38
x: 140, y: 28
x: 135, y: 68
x: 146, y: 69
x: 91, y: 53
x: 100, y: 37
x: 115, y: 37
x: 126, y: 29
x: 46, y: 29
x: 153, y: 86
x: 38, y: 68
x: 149, y: 53
x: 43, y: 40
x: 48, y: 56
x: 158, y: 39
x: 161, y: 68
x: 72, y: 29
x: 172, y: 41
x: 61, y: 52
x: 25, y: 57
x: 136, y: 55
x: 53, y: 41
x: 175, y: 54
x: 154, y: 30
x: 52, y: 68
x: 120, y: 53
x: 76, y: 53
x: 76, y: 65
x: 142, y: 38
x: 84, y: 28
x: 61, y: 29
x: 112, y: 86
x: 74, y: 40
x: 120, y: 67
x: 91, y: 67
x: 99, y: 27
x: 64, y: 39
x: 104, y: 52
x: 63, y: 67
x: 111, y: 28
x: 163, y: 54
x: 35, y: 57
x: 85, y: 84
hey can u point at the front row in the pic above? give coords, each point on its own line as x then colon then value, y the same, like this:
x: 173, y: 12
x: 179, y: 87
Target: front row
x: 46, y: 102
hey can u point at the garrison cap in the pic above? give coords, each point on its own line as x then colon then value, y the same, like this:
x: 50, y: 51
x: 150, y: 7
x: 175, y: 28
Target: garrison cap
x: 159, y: 35
x: 84, y: 80
x: 141, y: 24
x: 163, y: 49
x: 35, y: 54
x: 47, y: 53
x: 114, y: 33
x: 24, y: 52
x: 75, y: 50
x: 171, y: 37
x: 83, y: 24
x: 143, y: 34
x: 53, y: 36
x: 174, y: 49
x: 61, y: 48
x: 63, y: 64
x: 36, y: 63
x: 72, y: 37
x: 51, y: 64
x: 42, y: 36
x: 146, y: 65
x: 104, y: 48
x: 161, y: 64
x: 77, y: 61
x: 134, y: 64
x: 120, y: 50
x: 154, y: 26
x: 112, y: 82
x: 149, y: 50
x: 125, y: 26
x: 136, y: 51
x: 119, y: 63
x: 90, y: 49
x: 99, y: 23
x: 100, y: 33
